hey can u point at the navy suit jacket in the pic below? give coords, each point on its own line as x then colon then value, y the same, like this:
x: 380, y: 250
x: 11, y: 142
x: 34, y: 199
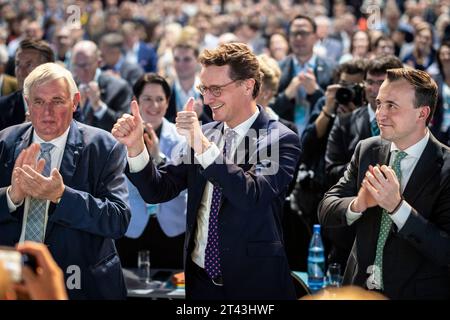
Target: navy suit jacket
x: 92, y: 211
x: 253, y: 260
x: 12, y: 110
x: 147, y: 57
x: 416, y: 257
x: 347, y: 131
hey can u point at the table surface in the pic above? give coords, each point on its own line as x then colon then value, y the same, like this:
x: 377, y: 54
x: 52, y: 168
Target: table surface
x: 155, y: 289
x: 163, y: 289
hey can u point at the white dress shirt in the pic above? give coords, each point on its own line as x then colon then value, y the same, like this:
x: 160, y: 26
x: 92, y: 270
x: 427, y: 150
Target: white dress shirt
x: 205, y: 159
x: 407, y: 166
x: 56, y: 155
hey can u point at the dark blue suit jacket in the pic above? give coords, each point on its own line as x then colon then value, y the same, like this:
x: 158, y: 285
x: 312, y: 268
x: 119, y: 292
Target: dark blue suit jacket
x: 416, y: 257
x: 92, y: 211
x: 12, y: 110
x: 147, y: 57
x: 253, y: 260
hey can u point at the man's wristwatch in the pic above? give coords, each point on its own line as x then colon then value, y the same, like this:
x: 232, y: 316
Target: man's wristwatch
x: 329, y: 115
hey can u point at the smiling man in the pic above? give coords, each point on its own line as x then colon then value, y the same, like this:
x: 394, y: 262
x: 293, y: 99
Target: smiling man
x: 73, y: 199
x: 402, y: 207
x: 234, y: 243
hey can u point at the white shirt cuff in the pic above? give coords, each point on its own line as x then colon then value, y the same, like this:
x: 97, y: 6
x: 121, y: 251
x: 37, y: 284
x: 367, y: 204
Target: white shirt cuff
x: 352, y: 216
x: 101, y: 111
x: 402, y: 214
x: 11, y: 206
x: 139, y: 162
x: 208, y: 157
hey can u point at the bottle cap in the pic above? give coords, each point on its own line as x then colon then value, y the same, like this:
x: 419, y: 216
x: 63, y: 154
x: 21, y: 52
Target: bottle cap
x: 316, y: 228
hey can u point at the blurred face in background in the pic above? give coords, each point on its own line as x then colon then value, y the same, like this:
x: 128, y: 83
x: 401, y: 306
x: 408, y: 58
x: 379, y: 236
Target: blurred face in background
x: 26, y: 61
x: 84, y: 66
x: 302, y: 38
x: 424, y: 39
x: 385, y: 47
x: 372, y: 86
x: 360, y: 44
x: 153, y: 104
x: 185, y: 63
x: 444, y: 56
x: 278, y: 47
x: 63, y: 40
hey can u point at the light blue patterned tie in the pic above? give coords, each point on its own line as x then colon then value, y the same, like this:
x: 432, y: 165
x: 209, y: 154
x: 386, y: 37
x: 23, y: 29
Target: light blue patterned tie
x: 386, y: 222
x: 212, y: 258
x: 36, y: 214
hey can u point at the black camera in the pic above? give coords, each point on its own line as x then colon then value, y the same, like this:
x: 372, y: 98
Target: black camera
x: 13, y: 261
x: 350, y: 93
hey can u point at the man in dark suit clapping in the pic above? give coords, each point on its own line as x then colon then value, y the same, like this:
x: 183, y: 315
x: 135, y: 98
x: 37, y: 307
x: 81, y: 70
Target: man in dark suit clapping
x: 396, y: 192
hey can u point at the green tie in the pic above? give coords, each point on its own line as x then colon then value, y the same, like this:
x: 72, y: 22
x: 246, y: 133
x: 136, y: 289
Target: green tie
x: 386, y: 223
x: 374, y: 129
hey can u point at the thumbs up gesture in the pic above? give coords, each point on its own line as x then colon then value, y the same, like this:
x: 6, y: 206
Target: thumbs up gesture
x: 188, y: 126
x: 129, y: 130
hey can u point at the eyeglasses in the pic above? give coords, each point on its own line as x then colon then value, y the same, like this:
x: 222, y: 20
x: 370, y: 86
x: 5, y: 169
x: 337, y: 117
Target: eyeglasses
x: 216, y: 91
x: 301, y: 33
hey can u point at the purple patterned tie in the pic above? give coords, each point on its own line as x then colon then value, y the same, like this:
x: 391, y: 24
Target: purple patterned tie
x: 212, y: 258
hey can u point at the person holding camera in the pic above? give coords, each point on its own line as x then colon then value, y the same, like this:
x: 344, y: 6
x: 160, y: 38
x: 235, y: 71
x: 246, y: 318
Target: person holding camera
x: 349, y: 128
x: 312, y: 182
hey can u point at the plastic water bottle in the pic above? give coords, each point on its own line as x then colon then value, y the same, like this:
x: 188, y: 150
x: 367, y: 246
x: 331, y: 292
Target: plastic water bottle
x: 316, y: 261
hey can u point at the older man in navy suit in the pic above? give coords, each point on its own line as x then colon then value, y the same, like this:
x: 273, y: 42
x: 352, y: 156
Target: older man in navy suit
x: 71, y: 195
x: 237, y: 170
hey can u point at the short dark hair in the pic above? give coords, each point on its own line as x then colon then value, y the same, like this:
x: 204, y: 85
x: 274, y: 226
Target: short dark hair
x: 303, y: 17
x: 439, y: 62
x: 381, y: 64
x: 426, y: 89
x: 239, y: 57
x: 150, y: 78
x: 44, y: 49
x: 382, y: 38
x: 355, y: 66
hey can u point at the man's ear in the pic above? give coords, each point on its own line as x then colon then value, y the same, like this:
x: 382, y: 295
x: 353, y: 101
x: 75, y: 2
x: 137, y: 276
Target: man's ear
x: 424, y: 112
x: 249, y: 85
x: 76, y: 101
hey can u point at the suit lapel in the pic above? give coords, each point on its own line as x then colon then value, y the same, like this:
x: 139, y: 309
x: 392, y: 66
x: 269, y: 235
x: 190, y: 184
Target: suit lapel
x: 381, y: 153
x: 363, y: 125
x: 429, y: 163
x: 22, y: 143
x: 72, y: 152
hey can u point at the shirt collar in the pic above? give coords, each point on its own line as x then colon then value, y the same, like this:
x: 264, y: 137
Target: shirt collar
x: 97, y: 74
x: 118, y: 65
x: 311, y: 63
x: 242, y: 129
x: 59, y: 142
x: 416, y: 149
